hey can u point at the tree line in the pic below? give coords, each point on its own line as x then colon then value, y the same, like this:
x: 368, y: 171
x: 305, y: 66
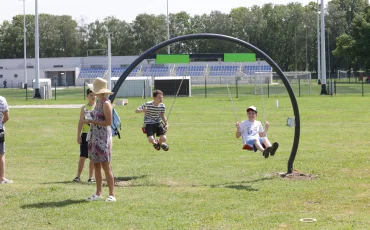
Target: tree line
x: 287, y: 33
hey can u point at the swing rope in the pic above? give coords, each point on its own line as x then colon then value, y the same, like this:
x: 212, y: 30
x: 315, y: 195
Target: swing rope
x: 174, y: 100
x: 263, y: 101
x: 232, y: 102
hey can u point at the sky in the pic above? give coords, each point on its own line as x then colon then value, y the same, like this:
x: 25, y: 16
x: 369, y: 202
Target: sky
x: 126, y: 10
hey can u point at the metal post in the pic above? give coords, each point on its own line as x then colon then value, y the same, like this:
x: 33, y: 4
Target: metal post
x: 306, y: 51
x: 109, y: 62
x: 168, y: 31
x: 205, y: 87
x: 37, y: 65
x: 318, y: 46
x: 236, y: 85
x: 323, y: 59
x: 25, y: 44
x: 329, y: 70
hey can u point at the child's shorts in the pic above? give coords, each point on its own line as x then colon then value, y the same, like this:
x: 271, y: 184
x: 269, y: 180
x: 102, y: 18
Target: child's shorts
x: 251, y: 144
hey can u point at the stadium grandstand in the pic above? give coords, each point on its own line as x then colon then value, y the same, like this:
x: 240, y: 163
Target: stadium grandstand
x: 76, y: 71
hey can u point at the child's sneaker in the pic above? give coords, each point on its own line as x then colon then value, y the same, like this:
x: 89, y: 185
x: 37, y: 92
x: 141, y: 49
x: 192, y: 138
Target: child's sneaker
x: 274, y: 147
x: 77, y: 179
x: 157, y: 146
x: 164, y: 146
x: 6, y: 181
x: 266, y: 152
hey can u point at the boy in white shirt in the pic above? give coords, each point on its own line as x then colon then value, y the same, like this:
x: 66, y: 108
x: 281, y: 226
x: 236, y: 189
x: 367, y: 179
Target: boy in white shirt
x: 254, y: 136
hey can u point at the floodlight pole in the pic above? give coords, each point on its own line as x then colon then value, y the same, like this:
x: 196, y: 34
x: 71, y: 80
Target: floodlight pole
x: 318, y: 45
x: 168, y: 31
x: 37, y: 65
x: 25, y: 43
x: 323, y: 59
x: 109, y: 61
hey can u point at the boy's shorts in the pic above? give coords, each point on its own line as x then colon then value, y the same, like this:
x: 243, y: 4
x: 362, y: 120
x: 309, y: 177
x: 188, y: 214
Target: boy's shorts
x: 2, y: 148
x: 251, y: 144
x: 83, y: 146
x: 156, y: 129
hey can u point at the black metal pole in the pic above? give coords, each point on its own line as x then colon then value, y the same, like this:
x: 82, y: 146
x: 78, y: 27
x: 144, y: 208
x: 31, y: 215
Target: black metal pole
x: 205, y: 87
x: 252, y: 48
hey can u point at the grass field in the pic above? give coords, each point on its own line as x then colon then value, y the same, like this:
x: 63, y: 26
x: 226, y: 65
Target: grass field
x: 205, y: 180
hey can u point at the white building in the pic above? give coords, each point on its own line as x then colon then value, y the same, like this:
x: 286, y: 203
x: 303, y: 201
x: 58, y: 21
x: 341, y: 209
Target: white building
x: 62, y: 71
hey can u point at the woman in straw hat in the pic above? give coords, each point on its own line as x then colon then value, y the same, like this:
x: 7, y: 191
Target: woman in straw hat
x: 100, y: 139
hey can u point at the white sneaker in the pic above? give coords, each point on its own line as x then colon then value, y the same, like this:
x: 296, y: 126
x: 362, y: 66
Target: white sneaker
x: 110, y: 199
x: 6, y: 181
x: 94, y: 198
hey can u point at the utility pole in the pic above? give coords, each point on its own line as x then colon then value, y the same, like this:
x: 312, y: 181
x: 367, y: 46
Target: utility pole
x: 25, y: 43
x: 318, y: 46
x: 323, y: 59
x: 168, y: 31
x: 37, y: 58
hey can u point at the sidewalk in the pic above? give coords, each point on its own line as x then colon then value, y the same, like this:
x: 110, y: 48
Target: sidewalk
x: 67, y: 106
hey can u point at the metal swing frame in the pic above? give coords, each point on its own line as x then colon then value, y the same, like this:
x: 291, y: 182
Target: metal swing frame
x: 152, y: 50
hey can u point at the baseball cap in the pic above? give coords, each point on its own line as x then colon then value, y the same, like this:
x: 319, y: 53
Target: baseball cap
x: 252, y: 108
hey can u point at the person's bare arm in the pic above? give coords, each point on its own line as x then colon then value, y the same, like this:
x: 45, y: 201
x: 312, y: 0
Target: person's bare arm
x: 80, y: 124
x: 5, y: 116
x: 237, y: 134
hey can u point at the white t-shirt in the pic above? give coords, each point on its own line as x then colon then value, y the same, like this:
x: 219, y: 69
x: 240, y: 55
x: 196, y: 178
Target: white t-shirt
x: 3, y: 108
x: 250, y: 130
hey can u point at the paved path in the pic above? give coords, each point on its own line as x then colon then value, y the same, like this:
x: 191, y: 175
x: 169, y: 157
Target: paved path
x: 45, y: 106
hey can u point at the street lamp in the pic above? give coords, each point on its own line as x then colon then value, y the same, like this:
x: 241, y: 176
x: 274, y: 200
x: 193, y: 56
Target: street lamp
x: 109, y: 61
x: 37, y: 54
x: 168, y: 31
x: 24, y: 43
x: 306, y: 48
x: 318, y: 45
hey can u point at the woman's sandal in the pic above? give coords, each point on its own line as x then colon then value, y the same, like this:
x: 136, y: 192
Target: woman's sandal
x: 94, y: 198
x: 110, y: 199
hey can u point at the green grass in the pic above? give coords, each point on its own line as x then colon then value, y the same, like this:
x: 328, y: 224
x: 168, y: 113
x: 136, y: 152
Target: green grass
x: 205, y: 180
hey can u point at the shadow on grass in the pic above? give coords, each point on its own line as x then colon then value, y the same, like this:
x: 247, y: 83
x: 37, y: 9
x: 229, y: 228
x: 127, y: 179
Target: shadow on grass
x: 117, y: 179
x: 57, y: 204
x: 128, y: 178
x: 240, y: 185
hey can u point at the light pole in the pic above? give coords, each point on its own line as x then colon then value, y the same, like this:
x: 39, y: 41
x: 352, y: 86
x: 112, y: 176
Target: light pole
x: 323, y: 59
x: 306, y: 49
x: 37, y: 58
x: 168, y: 31
x: 109, y: 61
x: 24, y: 43
x: 318, y: 46
x: 329, y: 71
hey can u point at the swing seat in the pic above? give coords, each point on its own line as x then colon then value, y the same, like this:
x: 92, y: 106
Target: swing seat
x: 248, y: 148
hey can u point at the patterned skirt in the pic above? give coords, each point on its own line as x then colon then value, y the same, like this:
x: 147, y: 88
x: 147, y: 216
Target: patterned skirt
x: 100, y: 143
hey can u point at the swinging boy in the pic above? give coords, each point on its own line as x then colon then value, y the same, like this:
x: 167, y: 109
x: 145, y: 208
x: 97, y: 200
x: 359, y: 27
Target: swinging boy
x: 254, y: 136
x: 155, y: 120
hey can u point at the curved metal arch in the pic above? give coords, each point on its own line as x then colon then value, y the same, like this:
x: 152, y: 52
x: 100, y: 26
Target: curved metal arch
x: 237, y: 41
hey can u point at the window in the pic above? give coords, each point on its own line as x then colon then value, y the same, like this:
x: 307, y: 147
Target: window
x: 96, y: 67
x: 15, y: 75
x: 1, y: 67
x: 58, y: 66
x: 1, y: 76
x: 30, y: 67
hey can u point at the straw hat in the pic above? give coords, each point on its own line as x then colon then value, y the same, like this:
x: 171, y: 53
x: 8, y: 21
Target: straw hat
x: 99, y: 86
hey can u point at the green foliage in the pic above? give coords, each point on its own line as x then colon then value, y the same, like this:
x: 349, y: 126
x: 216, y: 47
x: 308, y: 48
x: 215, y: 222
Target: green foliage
x: 205, y: 180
